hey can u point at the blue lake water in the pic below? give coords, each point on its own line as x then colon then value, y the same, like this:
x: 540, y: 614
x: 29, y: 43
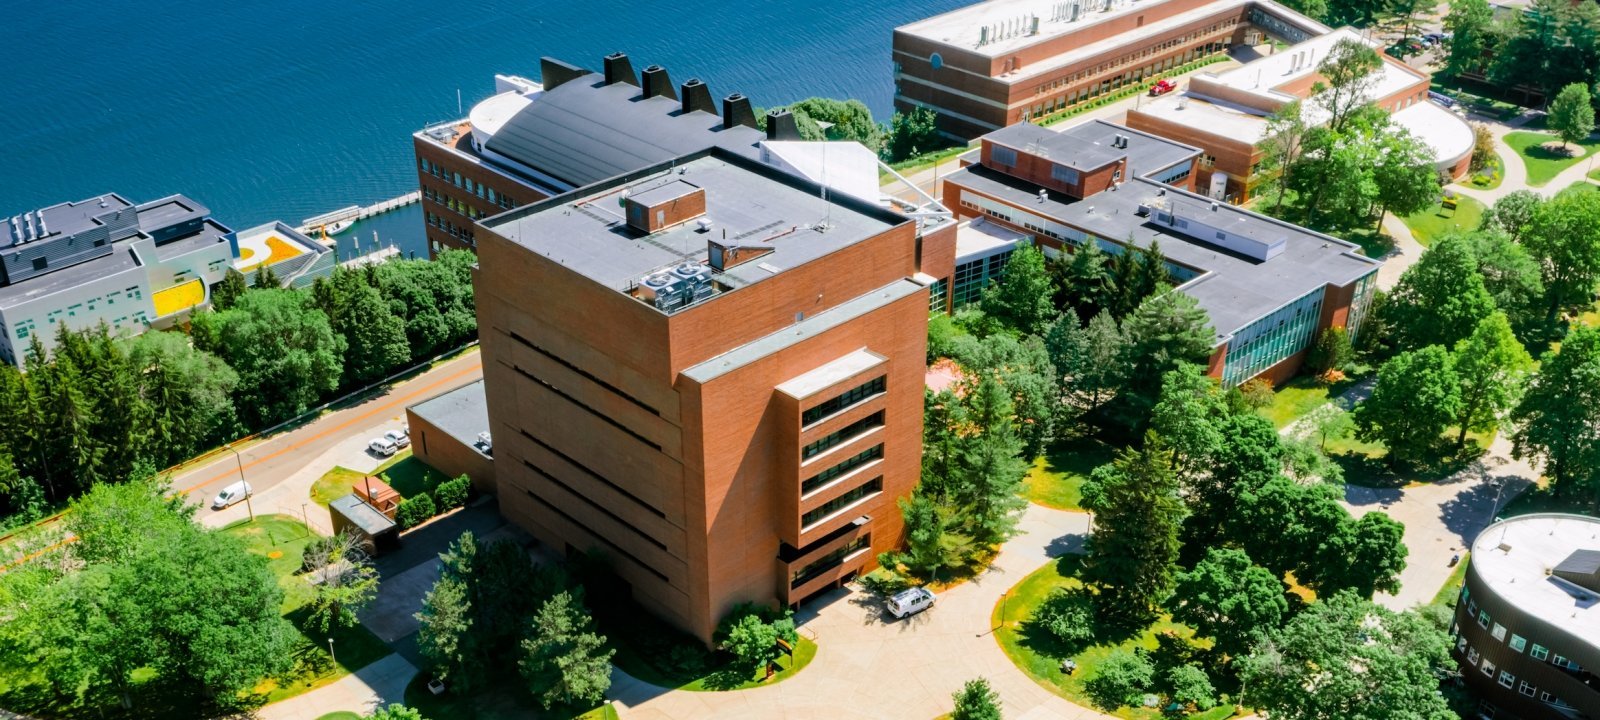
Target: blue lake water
x: 282, y: 109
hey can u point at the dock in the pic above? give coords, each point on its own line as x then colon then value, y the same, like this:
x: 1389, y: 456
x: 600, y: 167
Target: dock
x: 358, y: 212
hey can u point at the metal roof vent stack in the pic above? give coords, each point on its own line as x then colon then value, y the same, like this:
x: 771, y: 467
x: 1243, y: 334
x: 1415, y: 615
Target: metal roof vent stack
x: 658, y: 84
x: 737, y: 110
x: 553, y: 73
x: 620, y: 69
x: 781, y: 125
x: 697, y: 97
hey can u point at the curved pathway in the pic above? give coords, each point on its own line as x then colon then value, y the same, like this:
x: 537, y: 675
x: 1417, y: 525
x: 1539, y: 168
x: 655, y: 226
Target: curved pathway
x: 868, y: 667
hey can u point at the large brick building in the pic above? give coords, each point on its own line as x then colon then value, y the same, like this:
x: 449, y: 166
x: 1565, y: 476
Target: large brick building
x: 709, y: 369
x: 1268, y: 286
x: 988, y: 65
x: 1225, y: 114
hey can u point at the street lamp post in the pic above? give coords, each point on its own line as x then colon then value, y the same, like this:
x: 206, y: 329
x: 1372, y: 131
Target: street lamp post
x: 331, y: 656
x: 247, y: 492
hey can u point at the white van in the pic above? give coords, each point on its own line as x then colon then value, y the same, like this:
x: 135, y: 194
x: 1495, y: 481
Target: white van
x: 910, y: 602
x: 383, y: 447
x: 230, y: 495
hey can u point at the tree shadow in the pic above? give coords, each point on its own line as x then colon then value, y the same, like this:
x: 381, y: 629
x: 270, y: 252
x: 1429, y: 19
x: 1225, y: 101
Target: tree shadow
x: 1553, y: 151
x: 1448, y: 463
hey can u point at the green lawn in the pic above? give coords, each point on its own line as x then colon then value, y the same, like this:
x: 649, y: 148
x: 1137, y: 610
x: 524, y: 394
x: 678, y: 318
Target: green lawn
x: 406, y: 474
x: 1545, y: 163
x: 282, y: 539
x: 502, y: 698
x: 334, y: 484
x: 1040, y: 661
x: 1057, y: 475
x: 341, y: 715
x: 1446, y: 597
x: 1295, y: 398
x: 1435, y: 221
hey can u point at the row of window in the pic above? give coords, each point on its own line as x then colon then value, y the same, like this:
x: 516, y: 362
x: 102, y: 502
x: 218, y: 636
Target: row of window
x: 972, y: 277
x: 1517, y: 642
x: 1504, y: 678
x: 466, y: 183
x: 452, y: 203
x: 848, y: 398
x: 822, y: 479
x: 832, y: 507
x: 458, y: 232
x: 842, y: 435
x: 1134, y: 57
x: 1272, y: 339
x: 833, y: 559
x: 1068, y: 99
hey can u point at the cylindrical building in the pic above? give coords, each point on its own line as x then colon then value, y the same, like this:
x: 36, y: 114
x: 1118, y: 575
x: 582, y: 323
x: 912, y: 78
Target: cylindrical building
x: 1527, y: 627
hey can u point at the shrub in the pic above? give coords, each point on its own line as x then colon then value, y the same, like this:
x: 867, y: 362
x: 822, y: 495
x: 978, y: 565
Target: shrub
x: 1067, y: 616
x: 751, y: 632
x: 1257, y: 393
x: 1191, y: 687
x: 1331, y: 352
x: 1122, y: 680
x: 315, y: 550
x: 414, y: 510
x: 453, y: 493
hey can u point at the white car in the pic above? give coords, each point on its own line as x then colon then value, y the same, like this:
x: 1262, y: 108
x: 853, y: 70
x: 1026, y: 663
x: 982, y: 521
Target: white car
x: 400, y: 438
x: 910, y: 602
x: 230, y: 495
x: 383, y: 447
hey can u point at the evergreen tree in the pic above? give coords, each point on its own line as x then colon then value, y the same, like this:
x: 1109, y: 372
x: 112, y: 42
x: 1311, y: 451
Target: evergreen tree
x: 994, y: 465
x: 1067, y: 345
x: 1167, y: 330
x: 1084, y: 279
x: 563, y: 660
x: 188, y: 391
x: 226, y: 293
x: 1134, y: 547
x: 1416, y: 397
x: 1104, y: 368
x: 266, y: 279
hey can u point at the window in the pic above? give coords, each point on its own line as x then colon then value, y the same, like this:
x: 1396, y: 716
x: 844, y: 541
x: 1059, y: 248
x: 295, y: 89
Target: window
x: 821, y: 479
x: 1506, y: 679
x: 1518, y: 642
x: 1487, y: 667
x: 1499, y: 632
x: 1472, y: 656
x: 1003, y: 156
x: 829, y: 508
x: 1461, y: 643
x: 1064, y: 174
x: 1525, y: 688
x: 847, y: 399
x: 1539, y: 652
x: 1483, y: 618
x: 833, y: 559
x: 842, y: 435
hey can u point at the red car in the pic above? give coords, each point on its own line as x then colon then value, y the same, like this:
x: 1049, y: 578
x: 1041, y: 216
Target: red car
x: 1162, y: 87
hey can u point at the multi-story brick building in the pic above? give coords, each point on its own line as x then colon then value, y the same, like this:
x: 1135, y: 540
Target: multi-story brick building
x: 999, y: 62
x: 711, y: 370
x: 1268, y: 286
x: 1527, y: 624
x: 1225, y: 114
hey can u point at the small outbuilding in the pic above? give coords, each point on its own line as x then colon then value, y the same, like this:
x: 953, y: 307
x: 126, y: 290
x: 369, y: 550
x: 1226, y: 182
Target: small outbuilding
x: 378, y: 532
x: 377, y: 493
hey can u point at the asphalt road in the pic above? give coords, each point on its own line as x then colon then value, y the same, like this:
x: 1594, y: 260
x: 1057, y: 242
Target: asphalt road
x: 268, y: 462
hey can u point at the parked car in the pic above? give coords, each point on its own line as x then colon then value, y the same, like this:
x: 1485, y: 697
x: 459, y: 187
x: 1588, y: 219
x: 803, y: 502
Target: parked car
x: 230, y: 495
x: 910, y: 602
x: 383, y: 447
x: 401, y: 438
x: 1162, y: 87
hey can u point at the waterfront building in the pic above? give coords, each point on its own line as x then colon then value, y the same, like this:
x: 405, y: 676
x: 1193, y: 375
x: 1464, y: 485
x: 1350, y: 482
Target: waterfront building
x: 1225, y: 113
x: 1527, y: 624
x: 132, y: 267
x: 999, y: 62
x: 710, y: 369
x: 1269, y: 286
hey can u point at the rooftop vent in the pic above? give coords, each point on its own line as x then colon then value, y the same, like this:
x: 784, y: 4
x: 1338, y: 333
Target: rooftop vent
x: 677, y: 288
x: 662, y: 207
x: 737, y: 110
x: 620, y: 69
x: 658, y: 84
x: 553, y: 73
x: 782, y: 125
x: 697, y: 97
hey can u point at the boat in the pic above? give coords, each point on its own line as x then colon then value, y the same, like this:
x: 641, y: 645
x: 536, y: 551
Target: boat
x: 335, y: 228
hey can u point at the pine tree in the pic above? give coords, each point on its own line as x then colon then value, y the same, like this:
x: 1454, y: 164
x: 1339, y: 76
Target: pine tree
x: 226, y: 293
x: 266, y: 279
x: 564, y: 660
x: 1084, y: 279
x: 1134, y: 548
x: 994, y: 465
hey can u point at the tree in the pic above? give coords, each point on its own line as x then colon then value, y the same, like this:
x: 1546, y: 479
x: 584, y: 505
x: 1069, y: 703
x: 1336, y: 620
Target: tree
x: 1067, y: 616
x: 266, y: 279
x: 343, y: 581
x: 1123, y: 679
x: 847, y: 119
x: 1084, y: 280
x: 1331, y: 351
x: 1440, y: 299
x: 1513, y: 213
x: 1365, y: 661
x: 927, y: 551
x: 1558, y: 420
x: 375, y: 338
x: 188, y: 392
x: 448, y: 636
x: 1229, y: 598
x: 284, y: 351
x: 1025, y: 371
x: 1135, y: 543
x: 396, y: 711
x: 435, y: 299
x: 1363, y: 557
x: 1167, y: 330
x: 1021, y: 298
x: 1564, y: 236
x: 911, y: 134
x: 1492, y: 368
x: 1282, y: 523
x: 1330, y: 422
x: 563, y: 660
x: 751, y: 633
x: 976, y: 701
x: 1511, y: 276
x: 1191, y: 687
x: 1283, y: 142
x: 1406, y: 180
x: 993, y: 465
x: 1416, y: 397
x: 1187, y: 417
x: 1348, y: 74
x: 1572, y: 114
x: 226, y: 293
x: 1468, y: 25
x: 1104, y: 366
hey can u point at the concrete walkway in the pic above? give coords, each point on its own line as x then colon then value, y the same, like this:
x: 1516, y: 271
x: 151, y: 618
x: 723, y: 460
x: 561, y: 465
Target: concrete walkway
x: 871, y: 667
x: 373, y: 686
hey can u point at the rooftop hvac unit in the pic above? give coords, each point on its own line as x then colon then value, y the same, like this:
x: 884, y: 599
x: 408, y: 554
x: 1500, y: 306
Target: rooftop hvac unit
x: 654, y: 288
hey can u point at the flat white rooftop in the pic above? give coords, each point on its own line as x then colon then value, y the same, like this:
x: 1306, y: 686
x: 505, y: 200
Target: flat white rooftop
x: 1514, y: 559
x: 978, y: 238
x: 1297, y: 62
x: 1444, y: 131
x: 997, y: 27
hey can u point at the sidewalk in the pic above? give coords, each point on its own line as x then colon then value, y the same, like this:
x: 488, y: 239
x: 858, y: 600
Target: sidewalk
x: 371, y: 687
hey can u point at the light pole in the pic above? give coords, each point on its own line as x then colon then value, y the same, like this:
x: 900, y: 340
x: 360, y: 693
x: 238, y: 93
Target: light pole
x: 305, y: 517
x: 331, y: 656
x: 247, y: 493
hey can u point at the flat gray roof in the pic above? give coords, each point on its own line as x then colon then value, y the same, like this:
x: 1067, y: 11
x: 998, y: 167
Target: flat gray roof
x: 363, y: 515
x: 749, y: 205
x: 1088, y: 146
x: 583, y: 131
x: 211, y: 233
x: 120, y: 260
x: 801, y: 331
x: 70, y: 218
x: 1234, y: 290
x: 169, y: 211
x: 461, y: 413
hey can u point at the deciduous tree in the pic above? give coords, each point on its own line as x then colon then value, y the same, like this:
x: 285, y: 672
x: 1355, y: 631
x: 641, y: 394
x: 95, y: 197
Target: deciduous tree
x: 976, y: 701
x: 1348, y: 74
x: 1564, y: 236
x: 1417, y: 396
x: 1440, y: 299
x: 1558, y: 419
x: 1572, y: 114
x: 283, y: 349
x: 1492, y: 368
x: 1229, y: 598
x: 1022, y: 297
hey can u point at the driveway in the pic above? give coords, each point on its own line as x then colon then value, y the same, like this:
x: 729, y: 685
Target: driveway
x: 868, y: 667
